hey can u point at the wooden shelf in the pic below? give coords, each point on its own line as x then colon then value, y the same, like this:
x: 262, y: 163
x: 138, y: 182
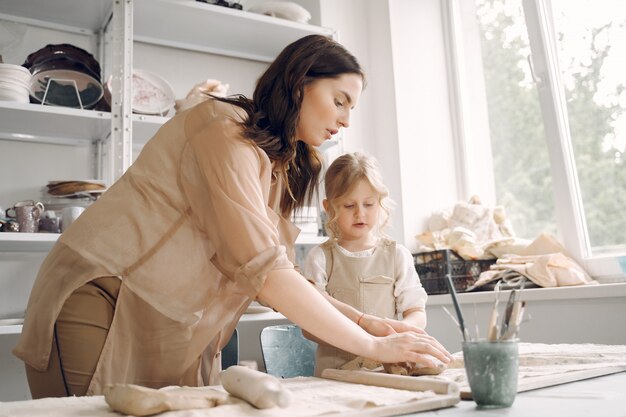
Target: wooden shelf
x: 217, y: 30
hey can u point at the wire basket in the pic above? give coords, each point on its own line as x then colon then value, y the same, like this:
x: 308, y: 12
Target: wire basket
x: 432, y: 268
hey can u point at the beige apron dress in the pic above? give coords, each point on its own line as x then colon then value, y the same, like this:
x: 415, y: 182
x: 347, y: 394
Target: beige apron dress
x: 366, y: 283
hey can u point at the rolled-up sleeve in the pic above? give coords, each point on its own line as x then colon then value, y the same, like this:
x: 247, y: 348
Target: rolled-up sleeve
x: 226, y: 180
x: 408, y: 291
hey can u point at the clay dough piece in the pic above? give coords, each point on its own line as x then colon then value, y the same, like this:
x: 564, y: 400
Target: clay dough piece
x: 414, y: 369
x: 257, y: 388
x: 359, y: 363
x: 141, y: 401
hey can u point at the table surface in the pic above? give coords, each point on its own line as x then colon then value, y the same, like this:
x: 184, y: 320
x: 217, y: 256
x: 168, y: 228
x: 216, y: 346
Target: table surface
x: 601, y: 396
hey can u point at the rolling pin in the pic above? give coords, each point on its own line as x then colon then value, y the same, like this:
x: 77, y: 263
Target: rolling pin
x: 258, y: 388
x: 409, y: 383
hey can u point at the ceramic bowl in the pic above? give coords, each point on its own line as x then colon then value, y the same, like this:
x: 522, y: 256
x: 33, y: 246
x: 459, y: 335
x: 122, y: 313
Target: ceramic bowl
x: 63, y: 56
x: 60, y: 87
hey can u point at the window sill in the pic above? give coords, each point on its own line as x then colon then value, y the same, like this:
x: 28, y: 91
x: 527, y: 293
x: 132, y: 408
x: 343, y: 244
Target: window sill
x: 533, y: 294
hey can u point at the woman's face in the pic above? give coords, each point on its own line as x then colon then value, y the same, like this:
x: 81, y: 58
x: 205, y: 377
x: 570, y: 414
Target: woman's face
x: 326, y: 107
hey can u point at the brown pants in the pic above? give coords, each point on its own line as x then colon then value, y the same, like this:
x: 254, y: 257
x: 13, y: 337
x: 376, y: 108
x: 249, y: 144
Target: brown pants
x: 79, y: 335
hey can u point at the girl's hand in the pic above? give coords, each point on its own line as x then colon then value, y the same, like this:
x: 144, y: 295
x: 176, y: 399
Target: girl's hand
x: 410, y: 347
x: 385, y: 327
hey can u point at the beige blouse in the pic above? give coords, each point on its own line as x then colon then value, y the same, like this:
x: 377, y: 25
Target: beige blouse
x: 191, y: 229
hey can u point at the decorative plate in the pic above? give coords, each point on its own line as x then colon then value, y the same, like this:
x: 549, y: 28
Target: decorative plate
x: 151, y: 94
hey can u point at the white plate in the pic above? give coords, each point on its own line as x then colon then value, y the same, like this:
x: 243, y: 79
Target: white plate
x: 151, y: 94
x: 91, y: 193
x: 93, y: 181
x: 14, y: 73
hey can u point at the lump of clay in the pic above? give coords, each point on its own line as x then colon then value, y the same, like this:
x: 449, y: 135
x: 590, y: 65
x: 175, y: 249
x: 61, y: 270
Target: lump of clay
x: 140, y: 401
x: 415, y: 369
x: 359, y: 363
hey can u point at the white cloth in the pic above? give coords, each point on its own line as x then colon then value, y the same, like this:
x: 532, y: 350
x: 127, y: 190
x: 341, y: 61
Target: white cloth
x: 551, y: 270
x: 408, y: 291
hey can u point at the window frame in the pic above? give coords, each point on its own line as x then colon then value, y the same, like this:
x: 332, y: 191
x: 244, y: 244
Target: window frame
x: 569, y: 210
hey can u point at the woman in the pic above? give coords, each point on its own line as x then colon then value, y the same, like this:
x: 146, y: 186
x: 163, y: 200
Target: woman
x: 148, y: 284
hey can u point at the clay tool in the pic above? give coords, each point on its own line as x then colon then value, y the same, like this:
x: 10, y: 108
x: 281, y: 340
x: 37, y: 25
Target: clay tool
x: 456, y: 323
x: 476, y: 323
x: 492, y: 329
x: 457, y: 307
x: 513, y: 321
x: 506, y: 320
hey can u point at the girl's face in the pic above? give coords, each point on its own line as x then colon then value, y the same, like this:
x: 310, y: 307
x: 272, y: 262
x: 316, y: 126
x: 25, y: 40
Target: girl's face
x: 357, y: 214
x: 326, y: 107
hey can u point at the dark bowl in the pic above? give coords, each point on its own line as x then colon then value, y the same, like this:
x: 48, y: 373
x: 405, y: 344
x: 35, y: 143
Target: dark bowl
x: 63, y: 56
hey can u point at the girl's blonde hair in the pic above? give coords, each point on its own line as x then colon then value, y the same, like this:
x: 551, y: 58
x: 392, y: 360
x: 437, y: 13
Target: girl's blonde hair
x: 341, y: 178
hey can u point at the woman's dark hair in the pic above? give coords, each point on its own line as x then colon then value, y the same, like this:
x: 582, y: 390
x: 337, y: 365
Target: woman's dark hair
x: 274, y: 110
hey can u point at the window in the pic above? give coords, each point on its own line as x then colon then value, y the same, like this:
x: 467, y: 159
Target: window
x: 554, y: 77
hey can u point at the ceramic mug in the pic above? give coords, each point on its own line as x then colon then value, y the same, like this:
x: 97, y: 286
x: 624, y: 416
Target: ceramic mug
x: 27, y: 214
x: 49, y: 222
x: 69, y: 215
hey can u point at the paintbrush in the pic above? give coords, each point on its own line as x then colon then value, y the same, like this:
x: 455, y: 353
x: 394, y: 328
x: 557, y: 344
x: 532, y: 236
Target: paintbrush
x: 457, y: 307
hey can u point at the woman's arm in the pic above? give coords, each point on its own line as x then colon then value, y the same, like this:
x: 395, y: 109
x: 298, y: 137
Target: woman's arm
x: 289, y: 293
x: 372, y: 324
x: 315, y: 271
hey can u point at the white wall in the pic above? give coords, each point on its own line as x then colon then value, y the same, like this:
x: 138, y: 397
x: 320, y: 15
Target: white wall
x: 404, y: 116
x: 183, y: 69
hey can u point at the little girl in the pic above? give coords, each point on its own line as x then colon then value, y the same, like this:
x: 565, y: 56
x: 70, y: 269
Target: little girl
x: 359, y: 266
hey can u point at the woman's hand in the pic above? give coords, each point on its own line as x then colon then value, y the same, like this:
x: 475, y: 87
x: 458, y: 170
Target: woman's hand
x: 289, y: 293
x: 409, y: 346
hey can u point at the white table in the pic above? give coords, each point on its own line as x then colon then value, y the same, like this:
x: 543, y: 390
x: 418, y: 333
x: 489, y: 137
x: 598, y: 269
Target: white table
x: 603, y: 396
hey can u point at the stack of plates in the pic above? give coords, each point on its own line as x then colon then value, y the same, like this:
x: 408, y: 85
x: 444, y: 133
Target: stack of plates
x: 57, y: 195
x: 75, y: 188
x: 14, y: 83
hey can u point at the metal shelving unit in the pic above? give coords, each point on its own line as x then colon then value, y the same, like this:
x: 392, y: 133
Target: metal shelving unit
x: 196, y: 26
x: 217, y: 30
x: 190, y: 26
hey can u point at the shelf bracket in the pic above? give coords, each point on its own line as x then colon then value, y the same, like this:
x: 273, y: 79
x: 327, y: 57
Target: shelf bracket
x: 121, y: 85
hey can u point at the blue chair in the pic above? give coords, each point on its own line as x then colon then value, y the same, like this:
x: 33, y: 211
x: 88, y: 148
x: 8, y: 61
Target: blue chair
x: 230, y: 353
x: 286, y: 353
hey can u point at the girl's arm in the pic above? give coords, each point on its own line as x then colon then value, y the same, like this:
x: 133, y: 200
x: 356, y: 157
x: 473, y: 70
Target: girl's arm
x: 410, y: 295
x: 315, y: 271
x: 289, y: 293
x: 415, y: 317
